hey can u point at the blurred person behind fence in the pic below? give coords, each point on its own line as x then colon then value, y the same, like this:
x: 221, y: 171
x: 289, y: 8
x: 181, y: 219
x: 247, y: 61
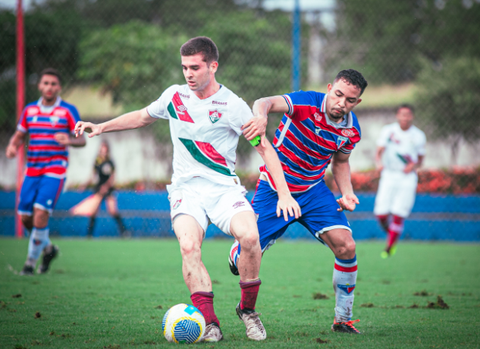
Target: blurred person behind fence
x: 50, y: 123
x: 104, y: 172
x: 400, y: 153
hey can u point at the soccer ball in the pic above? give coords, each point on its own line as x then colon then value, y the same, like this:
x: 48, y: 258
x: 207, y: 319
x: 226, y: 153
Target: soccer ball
x: 183, y: 323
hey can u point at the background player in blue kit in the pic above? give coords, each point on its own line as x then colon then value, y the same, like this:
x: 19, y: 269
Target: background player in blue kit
x: 50, y: 122
x: 316, y: 129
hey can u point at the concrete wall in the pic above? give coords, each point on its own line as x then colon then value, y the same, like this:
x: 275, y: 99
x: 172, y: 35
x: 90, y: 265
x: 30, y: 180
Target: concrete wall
x: 139, y: 157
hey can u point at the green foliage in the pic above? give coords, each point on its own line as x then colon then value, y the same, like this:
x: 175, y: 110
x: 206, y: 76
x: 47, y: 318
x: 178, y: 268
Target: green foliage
x: 135, y: 62
x: 251, y: 67
x: 386, y: 39
x: 448, y: 99
x: 107, y: 293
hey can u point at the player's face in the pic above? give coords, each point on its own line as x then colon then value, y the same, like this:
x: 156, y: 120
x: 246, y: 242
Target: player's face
x: 197, y: 72
x: 342, y: 98
x: 49, y: 87
x: 103, y: 151
x: 405, y: 118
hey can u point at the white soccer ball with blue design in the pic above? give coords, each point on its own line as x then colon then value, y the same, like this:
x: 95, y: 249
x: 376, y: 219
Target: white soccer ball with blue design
x: 183, y: 323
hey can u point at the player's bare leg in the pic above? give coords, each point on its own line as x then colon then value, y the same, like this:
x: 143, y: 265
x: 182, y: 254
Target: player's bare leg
x: 343, y: 246
x: 244, y: 228
x: 112, y: 208
x: 190, y: 237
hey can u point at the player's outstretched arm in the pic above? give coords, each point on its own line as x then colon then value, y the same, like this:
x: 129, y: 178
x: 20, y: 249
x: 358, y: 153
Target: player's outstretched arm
x: 341, y: 174
x: 286, y: 203
x: 128, y: 121
x: 15, y: 141
x: 257, y: 125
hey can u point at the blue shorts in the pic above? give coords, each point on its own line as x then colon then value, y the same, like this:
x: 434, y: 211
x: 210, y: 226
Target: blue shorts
x: 319, y: 213
x: 41, y: 192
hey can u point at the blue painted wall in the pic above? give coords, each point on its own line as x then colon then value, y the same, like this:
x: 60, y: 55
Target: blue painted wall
x: 434, y: 217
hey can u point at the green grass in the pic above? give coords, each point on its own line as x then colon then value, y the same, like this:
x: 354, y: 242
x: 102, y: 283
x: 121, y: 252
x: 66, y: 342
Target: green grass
x: 113, y: 294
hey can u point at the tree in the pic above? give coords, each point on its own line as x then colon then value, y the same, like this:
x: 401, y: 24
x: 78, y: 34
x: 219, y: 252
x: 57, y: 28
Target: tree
x: 386, y: 39
x: 448, y: 100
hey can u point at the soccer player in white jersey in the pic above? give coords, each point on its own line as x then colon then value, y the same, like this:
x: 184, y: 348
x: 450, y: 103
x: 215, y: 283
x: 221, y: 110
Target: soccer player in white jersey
x: 206, y: 119
x: 400, y: 153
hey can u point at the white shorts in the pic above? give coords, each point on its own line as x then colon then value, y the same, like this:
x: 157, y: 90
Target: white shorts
x: 204, y: 200
x: 396, y: 193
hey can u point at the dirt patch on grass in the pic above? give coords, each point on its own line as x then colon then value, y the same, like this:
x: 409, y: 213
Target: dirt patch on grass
x: 422, y: 293
x: 320, y: 341
x: 440, y: 304
x: 319, y: 295
x: 367, y: 305
x: 18, y: 295
x: 37, y: 315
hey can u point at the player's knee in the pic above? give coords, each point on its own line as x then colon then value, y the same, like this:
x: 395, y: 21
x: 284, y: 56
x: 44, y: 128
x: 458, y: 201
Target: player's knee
x: 190, y: 249
x: 40, y: 218
x: 27, y: 221
x: 250, y: 240
x: 346, y: 250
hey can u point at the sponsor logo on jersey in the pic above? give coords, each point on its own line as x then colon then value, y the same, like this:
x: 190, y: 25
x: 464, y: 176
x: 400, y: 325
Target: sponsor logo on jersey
x: 348, y: 133
x: 181, y: 109
x: 60, y: 112
x: 184, y: 96
x: 341, y: 141
x: 54, y: 120
x: 238, y: 204
x: 32, y: 111
x: 177, y: 204
x: 347, y: 288
x: 214, y: 115
x: 317, y: 130
x: 219, y: 103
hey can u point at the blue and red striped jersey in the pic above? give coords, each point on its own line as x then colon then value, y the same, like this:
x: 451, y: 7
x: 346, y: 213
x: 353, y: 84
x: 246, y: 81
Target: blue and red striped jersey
x: 45, y: 156
x: 306, y: 140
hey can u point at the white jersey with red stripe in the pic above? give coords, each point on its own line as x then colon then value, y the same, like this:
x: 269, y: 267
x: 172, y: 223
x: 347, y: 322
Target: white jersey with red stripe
x: 204, y: 132
x: 401, y: 147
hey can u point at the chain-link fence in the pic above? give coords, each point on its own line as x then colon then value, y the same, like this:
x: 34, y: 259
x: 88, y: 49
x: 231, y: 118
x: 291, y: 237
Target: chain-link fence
x: 119, y: 55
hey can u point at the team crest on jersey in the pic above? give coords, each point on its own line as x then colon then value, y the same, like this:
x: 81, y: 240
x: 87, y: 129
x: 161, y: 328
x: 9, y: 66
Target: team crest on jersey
x: 348, y: 133
x: 214, y: 115
x: 341, y: 141
x: 54, y: 120
x: 181, y: 109
x: 347, y: 288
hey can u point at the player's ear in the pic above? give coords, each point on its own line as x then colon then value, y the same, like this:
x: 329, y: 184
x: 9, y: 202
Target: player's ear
x: 358, y: 101
x: 329, y: 88
x: 213, y: 67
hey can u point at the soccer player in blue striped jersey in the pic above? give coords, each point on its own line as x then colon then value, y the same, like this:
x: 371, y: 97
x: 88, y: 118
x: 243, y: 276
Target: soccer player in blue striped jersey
x: 50, y: 123
x: 317, y: 129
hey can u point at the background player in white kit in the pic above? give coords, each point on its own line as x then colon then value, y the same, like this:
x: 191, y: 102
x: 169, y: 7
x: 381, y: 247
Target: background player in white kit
x: 206, y: 120
x: 400, y: 152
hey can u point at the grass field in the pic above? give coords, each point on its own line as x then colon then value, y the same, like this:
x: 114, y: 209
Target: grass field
x: 114, y: 293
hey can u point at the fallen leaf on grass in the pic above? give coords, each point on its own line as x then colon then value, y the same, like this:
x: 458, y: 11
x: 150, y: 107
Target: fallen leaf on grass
x: 38, y: 315
x: 413, y: 306
x: 158, y: 307
x: 18, y: 295
x: 215, y: 282
x: 319, y: 295
x: 52, y: 333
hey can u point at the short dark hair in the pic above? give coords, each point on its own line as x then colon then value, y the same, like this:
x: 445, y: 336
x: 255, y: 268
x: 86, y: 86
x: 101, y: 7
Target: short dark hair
x: 353, y: 77
x: 405, y: 105
x: 50, y: 71
x: 201, y: 44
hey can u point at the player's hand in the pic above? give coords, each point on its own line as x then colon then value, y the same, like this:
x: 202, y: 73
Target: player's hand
x: 289, y: 206
x: 254, y: 127
x: 88, y: 127
x: 11, y: 151
x: 409, y: 167
x: 348, y: 202
x: 62, y: 138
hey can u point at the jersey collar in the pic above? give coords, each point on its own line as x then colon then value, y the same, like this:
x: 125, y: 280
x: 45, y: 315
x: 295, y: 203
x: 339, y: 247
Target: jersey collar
x: 348, y: 117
